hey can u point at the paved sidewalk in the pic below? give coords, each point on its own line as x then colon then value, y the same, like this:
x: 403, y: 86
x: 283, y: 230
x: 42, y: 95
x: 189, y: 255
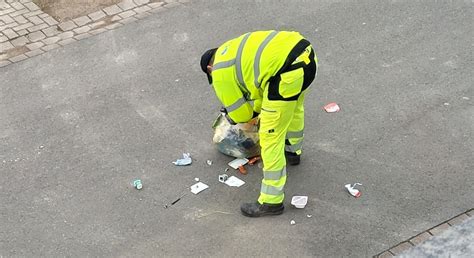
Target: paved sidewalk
x: 457, y: 241
x: 433, y: 233
x: 26, y: 31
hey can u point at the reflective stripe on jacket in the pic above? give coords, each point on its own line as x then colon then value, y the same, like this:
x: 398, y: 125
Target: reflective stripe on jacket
x: 243, y: 66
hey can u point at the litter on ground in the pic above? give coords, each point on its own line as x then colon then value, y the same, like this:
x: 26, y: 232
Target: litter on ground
x: 299, y: 201
x: 236, y: 163
x: 174, y: 202
x: 254, y: 160
x: 332, y: 107
x: 292, y: 222
x: 234, y: 181
x: 223, y: 178
x: 231, y: 181
x: 138, y: 184
x: 186, y: 160
x: 209, y: 162
x: 198, y: 187
x: 242, y: 170
x: 354, y: 192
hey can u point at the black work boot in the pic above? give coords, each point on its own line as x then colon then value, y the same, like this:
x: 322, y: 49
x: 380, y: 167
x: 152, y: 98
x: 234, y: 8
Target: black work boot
x: 292, y: 158
x: 256, y: 209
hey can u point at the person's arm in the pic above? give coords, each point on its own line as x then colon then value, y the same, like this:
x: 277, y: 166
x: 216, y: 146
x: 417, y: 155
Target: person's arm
x: 257, y: 106
x: 237, y: 107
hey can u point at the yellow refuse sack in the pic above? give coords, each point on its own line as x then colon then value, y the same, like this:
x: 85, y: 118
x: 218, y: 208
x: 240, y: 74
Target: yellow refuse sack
x: 240, y: 140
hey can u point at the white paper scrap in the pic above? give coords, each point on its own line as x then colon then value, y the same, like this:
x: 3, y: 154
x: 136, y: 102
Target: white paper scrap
x: 238, y: 162
x: 234, y: 181
x: 198, y: 187
x: 354, y: 192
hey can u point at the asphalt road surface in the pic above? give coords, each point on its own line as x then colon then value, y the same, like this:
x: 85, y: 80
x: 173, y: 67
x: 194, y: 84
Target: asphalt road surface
x: 80, y: 123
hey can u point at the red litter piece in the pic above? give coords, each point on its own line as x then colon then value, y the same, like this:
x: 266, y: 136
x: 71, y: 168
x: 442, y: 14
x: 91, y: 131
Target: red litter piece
x: 254, y: 160
x: 242, y: 170
x: 354, y: 192
x: 332, y: 107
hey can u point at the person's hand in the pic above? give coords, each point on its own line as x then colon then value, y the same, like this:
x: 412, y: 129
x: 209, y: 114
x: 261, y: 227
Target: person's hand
x: 226, y: 115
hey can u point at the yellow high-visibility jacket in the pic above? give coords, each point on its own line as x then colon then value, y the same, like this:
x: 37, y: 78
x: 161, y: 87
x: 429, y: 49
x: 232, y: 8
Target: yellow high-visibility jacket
x: 243, y: 67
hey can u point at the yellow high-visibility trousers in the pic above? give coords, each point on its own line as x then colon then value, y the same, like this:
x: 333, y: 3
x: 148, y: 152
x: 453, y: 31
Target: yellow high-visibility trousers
x: 282, y: 126
x: 279, y: 121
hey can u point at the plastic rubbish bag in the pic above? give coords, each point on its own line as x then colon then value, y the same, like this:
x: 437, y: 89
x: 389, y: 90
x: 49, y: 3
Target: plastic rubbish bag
x: 240, y: 140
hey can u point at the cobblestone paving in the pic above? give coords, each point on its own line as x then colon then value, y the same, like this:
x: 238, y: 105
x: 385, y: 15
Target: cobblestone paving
x: 422, y: 237
x: 26, y: 31
x: 456, y: 241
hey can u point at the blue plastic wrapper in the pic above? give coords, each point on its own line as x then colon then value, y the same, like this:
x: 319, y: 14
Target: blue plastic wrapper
x: 186, y: 160
x: 239, y: 141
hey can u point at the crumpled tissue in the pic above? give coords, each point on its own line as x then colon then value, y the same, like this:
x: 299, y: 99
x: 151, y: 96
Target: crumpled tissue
x: 186, y: 160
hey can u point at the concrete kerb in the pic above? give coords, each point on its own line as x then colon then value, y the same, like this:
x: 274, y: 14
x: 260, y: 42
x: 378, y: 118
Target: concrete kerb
x: 30, y: 23
x: 425, y: 235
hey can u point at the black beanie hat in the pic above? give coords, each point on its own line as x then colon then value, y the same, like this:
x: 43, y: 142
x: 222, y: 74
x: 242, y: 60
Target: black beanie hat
x: 205, y: 59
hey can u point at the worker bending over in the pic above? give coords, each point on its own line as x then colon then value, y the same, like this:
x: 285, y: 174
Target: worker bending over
x: 266, y: 73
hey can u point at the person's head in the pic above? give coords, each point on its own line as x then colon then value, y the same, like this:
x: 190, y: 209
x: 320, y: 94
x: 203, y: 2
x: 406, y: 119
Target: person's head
x: 207, y: 59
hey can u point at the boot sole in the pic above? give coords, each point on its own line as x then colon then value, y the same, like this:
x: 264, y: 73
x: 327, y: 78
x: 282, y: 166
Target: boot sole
x: 279, y: 212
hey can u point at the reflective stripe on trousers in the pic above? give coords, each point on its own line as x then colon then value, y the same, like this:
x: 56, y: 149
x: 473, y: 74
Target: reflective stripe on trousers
x: 271, y: 190
x: 276, y: 120
x: 274, y: 175
x: 294, y: 148
x: 294, y: 140
x: 281, y: 122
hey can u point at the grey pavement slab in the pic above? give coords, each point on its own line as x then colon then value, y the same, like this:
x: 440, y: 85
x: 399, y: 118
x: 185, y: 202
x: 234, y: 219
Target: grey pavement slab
x: 457, y: 241
x: 79, y: 123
